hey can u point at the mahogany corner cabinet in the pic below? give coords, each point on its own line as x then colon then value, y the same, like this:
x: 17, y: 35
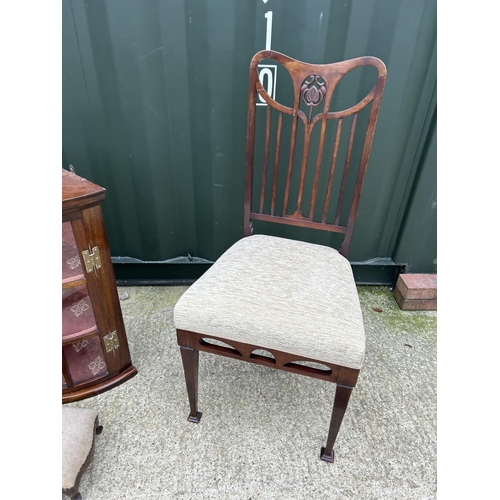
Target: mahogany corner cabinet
x: 95, y: 351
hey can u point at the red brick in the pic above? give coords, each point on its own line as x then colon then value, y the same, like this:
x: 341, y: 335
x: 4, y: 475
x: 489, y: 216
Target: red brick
x: 417, y: 286
x: 415, y: 304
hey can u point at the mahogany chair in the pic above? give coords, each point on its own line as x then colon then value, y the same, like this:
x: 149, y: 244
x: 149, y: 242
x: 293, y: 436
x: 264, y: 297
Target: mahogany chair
x: 275, y: 301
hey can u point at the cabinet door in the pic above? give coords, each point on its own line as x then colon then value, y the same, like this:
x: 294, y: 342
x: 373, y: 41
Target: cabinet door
x: 83, y: 356
x: 86, y: 354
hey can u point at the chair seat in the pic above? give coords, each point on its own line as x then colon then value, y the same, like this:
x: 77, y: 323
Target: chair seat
x: 78, y: 426
x: 280, y: 294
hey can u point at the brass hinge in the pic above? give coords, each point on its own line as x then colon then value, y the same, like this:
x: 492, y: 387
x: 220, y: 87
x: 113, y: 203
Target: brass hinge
x: 111, y: 342
x: 92, y: 260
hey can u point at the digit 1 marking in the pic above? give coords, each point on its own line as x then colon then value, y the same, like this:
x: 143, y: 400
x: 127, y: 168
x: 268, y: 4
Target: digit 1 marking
x: 269, y: 28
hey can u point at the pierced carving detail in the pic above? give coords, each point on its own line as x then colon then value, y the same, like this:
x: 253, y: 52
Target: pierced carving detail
x: 313, y: 91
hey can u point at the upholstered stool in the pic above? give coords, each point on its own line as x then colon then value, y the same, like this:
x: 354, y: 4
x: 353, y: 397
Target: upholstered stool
x: 79, y: 427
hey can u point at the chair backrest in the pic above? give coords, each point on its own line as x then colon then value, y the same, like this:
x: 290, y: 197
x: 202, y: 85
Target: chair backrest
x: 313, y: 87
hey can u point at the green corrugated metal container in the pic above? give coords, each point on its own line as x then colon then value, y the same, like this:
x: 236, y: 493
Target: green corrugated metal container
x: 155, y: 105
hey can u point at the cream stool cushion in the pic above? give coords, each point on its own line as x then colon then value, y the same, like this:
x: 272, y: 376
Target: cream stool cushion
x: 78, y: 431
x: 280, y: 294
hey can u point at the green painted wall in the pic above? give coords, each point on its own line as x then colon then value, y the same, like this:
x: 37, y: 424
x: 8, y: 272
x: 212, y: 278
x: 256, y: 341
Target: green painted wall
x: 155, y: 102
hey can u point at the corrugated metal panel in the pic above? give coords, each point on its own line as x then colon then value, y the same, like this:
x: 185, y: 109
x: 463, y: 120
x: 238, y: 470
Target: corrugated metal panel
x: 155, y: 103
x: 417, y: 240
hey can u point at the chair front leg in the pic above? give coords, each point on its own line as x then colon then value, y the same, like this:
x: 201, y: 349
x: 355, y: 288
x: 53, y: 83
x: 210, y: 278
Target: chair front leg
x: 190, y: 360
x: 342, y: 395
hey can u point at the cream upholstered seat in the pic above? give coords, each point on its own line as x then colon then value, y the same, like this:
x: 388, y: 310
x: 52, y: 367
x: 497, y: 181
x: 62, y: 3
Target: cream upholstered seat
x: 277, y: 302
x: 279, y: 294
x: 79, y: 426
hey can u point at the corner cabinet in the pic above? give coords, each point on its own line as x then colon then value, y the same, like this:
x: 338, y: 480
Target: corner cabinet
x: 95, y: 351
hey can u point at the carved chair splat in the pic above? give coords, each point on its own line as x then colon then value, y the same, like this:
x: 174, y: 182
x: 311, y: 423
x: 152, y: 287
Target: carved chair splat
x: 296, y: 300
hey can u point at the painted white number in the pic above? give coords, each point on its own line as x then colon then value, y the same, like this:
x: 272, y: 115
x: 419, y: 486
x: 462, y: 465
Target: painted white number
x: 269, y: 29
x: 267, y: 77
x: 263, y: 73
x: 267, y: 72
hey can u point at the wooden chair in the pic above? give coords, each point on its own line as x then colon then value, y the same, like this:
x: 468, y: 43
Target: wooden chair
x: 279, y: 302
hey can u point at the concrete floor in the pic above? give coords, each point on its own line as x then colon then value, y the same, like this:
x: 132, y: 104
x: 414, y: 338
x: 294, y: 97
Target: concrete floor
x: 262, y: 430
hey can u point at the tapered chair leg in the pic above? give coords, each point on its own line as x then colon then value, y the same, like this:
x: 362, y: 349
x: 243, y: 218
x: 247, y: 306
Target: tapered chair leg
x: 190, y: 360
x: 342, y: 395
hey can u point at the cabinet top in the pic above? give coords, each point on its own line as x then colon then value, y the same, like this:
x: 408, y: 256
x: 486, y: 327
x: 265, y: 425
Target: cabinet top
x: 79, y: 193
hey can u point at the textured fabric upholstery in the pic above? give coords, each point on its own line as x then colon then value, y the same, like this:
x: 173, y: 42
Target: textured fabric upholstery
x: 77, y: 439
x: 279, y: 294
